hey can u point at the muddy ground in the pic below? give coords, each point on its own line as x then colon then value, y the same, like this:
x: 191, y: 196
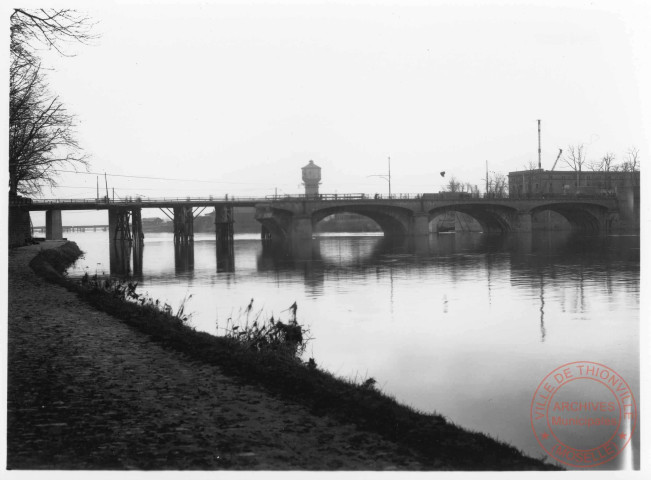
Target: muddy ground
x: 86, y: 391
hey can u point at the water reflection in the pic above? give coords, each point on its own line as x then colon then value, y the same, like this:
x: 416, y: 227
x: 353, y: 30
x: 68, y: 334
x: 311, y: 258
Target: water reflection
x: 184, y: 259
x: 532, y: 262
x: 225, y: 249
x: 125, y: 259
x: 138, y: 255
x: 278, y: 258
x: 540, y: 253
x: 546, y: 257
x: 225, y: 258
x: 120, y: 258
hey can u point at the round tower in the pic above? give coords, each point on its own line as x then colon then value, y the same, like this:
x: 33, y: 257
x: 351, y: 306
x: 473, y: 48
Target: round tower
x: 311, y: 179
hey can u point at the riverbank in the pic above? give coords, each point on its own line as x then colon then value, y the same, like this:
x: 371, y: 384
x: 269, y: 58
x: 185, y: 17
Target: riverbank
x: 89, y: 391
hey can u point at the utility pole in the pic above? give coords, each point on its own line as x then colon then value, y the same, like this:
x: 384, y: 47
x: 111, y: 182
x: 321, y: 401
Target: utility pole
x: 386, y: 177
x: 389, y: 177
x: 539, y: 160
x: 97, y: 178
x: 106, y: 183
x: 486, y: 177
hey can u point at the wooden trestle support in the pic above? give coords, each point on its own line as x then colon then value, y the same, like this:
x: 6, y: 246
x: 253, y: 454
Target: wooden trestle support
x: 183, y: 225
x: 224, y: 235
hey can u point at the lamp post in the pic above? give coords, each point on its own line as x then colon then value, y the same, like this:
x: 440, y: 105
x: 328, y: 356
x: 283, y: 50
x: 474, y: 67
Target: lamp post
x: 386, y: 177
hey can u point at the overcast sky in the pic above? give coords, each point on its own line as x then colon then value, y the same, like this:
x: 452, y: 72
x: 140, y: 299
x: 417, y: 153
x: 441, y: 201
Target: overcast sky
x: 216, y: 99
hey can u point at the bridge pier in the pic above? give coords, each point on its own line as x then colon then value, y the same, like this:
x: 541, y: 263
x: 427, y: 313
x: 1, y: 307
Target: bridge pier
x: 224, y: 236
x: 120, y: 240
x: 275, y: 225
x: 522, y: 222
x: 421, y: 244
x: 265, y: 234
x: 53, y: 225
x: 183, y: 225
x: 119, y: 230
x: 302, y: 226
x: 610, y: 220
x: 136, y: 227
x: 420, y: 224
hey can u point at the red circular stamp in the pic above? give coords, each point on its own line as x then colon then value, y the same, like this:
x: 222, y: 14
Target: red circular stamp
x: 583, y: 414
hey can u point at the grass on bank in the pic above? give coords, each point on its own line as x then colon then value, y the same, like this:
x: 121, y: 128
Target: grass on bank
x: 437, y: 443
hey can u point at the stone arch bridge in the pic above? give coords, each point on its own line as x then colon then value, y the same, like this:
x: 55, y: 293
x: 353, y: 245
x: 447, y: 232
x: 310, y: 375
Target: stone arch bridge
x: 297, y: 217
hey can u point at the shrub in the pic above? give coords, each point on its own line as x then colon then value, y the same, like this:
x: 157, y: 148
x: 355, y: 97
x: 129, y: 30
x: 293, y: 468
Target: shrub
x: 288, y: 339
x: 125, y: 290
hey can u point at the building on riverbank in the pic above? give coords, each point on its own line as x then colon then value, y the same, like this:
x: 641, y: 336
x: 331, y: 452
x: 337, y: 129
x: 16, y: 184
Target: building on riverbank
x: 538, y: 182
x: 541, y: 182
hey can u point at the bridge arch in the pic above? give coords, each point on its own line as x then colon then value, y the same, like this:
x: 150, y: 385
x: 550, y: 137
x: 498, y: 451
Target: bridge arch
x: 585, y: 217
x: 492, y: 218
x: 394, y: 221
x: 277, y: 221
x: 344, y: 222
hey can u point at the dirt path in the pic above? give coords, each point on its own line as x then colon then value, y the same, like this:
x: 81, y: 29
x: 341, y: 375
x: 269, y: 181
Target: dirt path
x: 88, y: 392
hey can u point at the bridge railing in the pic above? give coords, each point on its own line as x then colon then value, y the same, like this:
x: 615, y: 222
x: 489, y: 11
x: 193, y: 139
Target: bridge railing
x: 558, y: 196
x: 62, y: 201
x: 225, y: 199
x: 456, y: 196
x: 320, y: 196
x: 352, y: 196
x: 138, y: 200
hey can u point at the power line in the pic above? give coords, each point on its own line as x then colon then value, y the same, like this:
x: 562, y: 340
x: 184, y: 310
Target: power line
x: 137, y: 189
x: 157, y: 178
x: 217, y: 181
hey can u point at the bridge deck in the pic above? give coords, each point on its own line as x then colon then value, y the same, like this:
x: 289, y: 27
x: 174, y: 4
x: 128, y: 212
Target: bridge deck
x: 93, y: 204
x: 103, y: 204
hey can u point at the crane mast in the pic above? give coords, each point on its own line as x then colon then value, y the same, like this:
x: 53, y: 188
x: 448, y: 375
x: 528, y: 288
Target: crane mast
x: 560, y: 152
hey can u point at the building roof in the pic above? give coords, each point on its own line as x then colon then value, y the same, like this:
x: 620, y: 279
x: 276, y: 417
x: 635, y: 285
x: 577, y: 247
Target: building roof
x: 573, y: 172
x: 311, y: 165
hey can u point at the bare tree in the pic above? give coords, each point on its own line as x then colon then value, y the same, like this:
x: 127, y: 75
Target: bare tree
x: 497, y: 185
x: 41, y: 131
x: 40, y: 135
x: 607, y: 164
x: 632, y: 165
x: 454, y: 185
x: 50, y: 27
x: 575, y: 158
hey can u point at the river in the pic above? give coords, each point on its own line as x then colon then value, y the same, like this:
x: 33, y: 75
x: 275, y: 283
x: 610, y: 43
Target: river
x: 465, y: 325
